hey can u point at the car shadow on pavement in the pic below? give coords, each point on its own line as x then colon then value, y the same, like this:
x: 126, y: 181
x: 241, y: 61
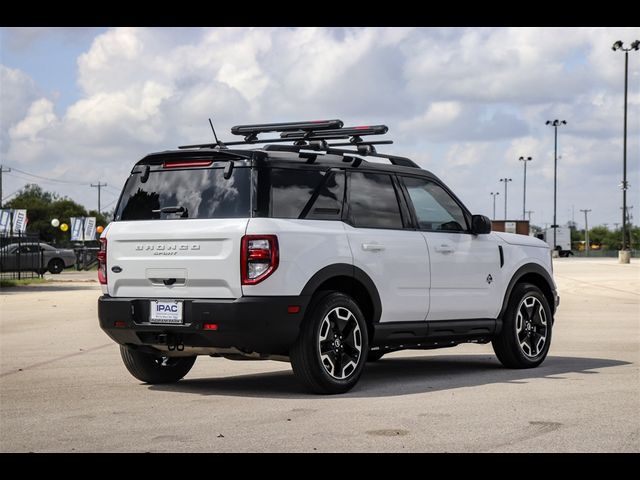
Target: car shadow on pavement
x: 398, y: 376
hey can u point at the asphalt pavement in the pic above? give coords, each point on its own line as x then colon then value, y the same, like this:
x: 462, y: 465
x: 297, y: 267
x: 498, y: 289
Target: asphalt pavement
x: 63, y: 387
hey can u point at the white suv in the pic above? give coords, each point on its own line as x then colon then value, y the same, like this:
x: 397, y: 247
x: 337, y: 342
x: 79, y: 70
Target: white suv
x: 311, y: 254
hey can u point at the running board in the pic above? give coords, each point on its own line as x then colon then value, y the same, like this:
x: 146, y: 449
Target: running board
x: 434, y: 334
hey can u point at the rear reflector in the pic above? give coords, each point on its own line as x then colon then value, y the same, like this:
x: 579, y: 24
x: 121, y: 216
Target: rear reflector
x: 293, y: 309
x: 201, y: 163
x: 210, y: 326
x: 120, y: 324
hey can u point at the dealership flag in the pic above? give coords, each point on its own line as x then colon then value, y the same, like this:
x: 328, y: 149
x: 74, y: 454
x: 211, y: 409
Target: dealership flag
x: 83, y: 228
x: 5, y: 218
x: 76, y: 229
x: 89, y: 228
x: 19, y: 221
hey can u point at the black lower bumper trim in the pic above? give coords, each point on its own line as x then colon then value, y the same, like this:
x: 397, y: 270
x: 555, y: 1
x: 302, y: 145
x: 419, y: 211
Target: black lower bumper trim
x: 251, y: 324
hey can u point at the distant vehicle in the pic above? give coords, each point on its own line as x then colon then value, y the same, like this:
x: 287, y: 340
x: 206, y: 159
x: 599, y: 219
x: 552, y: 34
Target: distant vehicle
x: 37, y: 257
x: 563, y: 240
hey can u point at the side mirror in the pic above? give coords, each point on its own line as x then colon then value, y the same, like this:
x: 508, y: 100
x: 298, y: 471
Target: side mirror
x: 480, y: 225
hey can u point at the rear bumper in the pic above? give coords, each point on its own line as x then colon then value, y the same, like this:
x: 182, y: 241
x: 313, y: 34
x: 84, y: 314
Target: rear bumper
x: 250, y: 324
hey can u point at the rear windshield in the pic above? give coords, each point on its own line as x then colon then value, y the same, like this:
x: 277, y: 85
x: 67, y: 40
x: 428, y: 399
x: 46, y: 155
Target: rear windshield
x: 188, y: 193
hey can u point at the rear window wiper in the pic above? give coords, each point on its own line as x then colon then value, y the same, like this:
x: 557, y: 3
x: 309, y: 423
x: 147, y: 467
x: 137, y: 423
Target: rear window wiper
x: 176, y: 209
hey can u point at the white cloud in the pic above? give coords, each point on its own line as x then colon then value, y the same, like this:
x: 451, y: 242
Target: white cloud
x: 39, y: 116
x: 463, y: 102
x: 17, y: 92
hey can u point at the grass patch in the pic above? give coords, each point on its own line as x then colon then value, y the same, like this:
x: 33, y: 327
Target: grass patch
x: 10, y: 282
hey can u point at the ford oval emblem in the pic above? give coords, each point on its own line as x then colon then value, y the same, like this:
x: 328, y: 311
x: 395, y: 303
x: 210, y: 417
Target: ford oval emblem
x: 116, y: 269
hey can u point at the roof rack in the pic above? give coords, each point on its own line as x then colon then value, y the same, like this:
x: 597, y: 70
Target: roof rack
x: 312, y: 135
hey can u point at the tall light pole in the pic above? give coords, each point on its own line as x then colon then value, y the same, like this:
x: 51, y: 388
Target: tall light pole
x: 586, y: 231
x: 524, y: 191
x: 555, y: 124
x: 506, y: 181
x: 624, y: 258
x: 494, y: 194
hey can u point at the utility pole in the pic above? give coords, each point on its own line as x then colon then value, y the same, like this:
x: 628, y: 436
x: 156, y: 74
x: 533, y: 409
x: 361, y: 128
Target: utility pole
x: 99, y: 186
x: 586, y: 231
x: 6, y: 170
x: 494, y: 194
x: 524, y: 160
x: 529, y: 212
x: 505, y: 180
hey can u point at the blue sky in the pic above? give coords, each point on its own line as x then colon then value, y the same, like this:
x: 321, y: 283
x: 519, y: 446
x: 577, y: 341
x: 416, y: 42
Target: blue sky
x: 82, y: 105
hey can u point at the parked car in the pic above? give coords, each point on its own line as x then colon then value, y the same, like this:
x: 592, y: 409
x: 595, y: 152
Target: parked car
x: 310, y: 253
x: 37, y: 257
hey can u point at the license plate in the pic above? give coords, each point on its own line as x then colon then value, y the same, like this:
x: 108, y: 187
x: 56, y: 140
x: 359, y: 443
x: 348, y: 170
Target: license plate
x: 166, y: 311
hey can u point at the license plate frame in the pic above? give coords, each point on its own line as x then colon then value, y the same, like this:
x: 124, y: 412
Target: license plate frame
x: 166, y: 312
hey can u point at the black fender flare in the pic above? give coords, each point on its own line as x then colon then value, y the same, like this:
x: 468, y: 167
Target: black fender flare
x: 350, y: 271
x: 521, y: 272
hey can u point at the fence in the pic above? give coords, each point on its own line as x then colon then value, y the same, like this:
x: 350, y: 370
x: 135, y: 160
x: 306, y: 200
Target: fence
x: 86, y: 257
x: 603, y: 253
x: 21, y: 257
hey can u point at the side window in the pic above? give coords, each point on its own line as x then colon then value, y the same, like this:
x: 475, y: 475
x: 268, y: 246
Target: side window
x: 306, y: 193
x: 373, y: 202
x: 435, y: 208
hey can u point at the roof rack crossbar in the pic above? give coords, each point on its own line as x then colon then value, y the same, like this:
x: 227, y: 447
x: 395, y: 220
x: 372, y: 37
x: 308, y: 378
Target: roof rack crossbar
x: 241, y: 142
x: 394, y: 159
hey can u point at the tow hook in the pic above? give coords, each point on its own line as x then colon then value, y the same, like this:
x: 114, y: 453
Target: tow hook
x: 179, y: 346
x: 171, y: 342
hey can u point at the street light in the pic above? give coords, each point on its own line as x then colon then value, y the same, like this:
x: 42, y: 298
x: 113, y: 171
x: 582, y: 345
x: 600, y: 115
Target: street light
x: 586, y: 231
x: 494, y: 194
x: 506, y: 181
x: 555, y: 124
x: 625, y: 257
x: 524, y: 193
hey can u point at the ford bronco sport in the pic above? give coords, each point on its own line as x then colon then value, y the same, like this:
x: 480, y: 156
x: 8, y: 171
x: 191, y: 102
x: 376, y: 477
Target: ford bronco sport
x: 305, y: 251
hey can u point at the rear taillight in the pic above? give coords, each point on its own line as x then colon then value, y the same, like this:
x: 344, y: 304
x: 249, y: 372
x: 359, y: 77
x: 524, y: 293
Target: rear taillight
x: 102, y: 262
x: 258, y: 258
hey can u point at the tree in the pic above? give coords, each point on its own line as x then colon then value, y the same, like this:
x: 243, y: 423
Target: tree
x: 43, y: 206
x: 599, y: 235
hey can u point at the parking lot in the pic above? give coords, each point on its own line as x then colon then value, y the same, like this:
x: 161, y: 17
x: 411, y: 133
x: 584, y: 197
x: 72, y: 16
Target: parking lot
x: 63, y: 386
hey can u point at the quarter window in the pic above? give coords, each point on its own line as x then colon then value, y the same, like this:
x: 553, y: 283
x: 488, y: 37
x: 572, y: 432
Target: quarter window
x: 304, y: 193
x: 373, y: 202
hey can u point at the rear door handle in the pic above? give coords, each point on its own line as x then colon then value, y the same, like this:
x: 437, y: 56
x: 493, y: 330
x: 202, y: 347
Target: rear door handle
x: 444, y: 248
x: 373, y: 247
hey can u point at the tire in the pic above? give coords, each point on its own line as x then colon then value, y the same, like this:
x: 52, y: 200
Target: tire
x: 330, y: 352
x: 374, y: 356
x: 153, y: 369
x: 527, y: 323
x: 55, y: 266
